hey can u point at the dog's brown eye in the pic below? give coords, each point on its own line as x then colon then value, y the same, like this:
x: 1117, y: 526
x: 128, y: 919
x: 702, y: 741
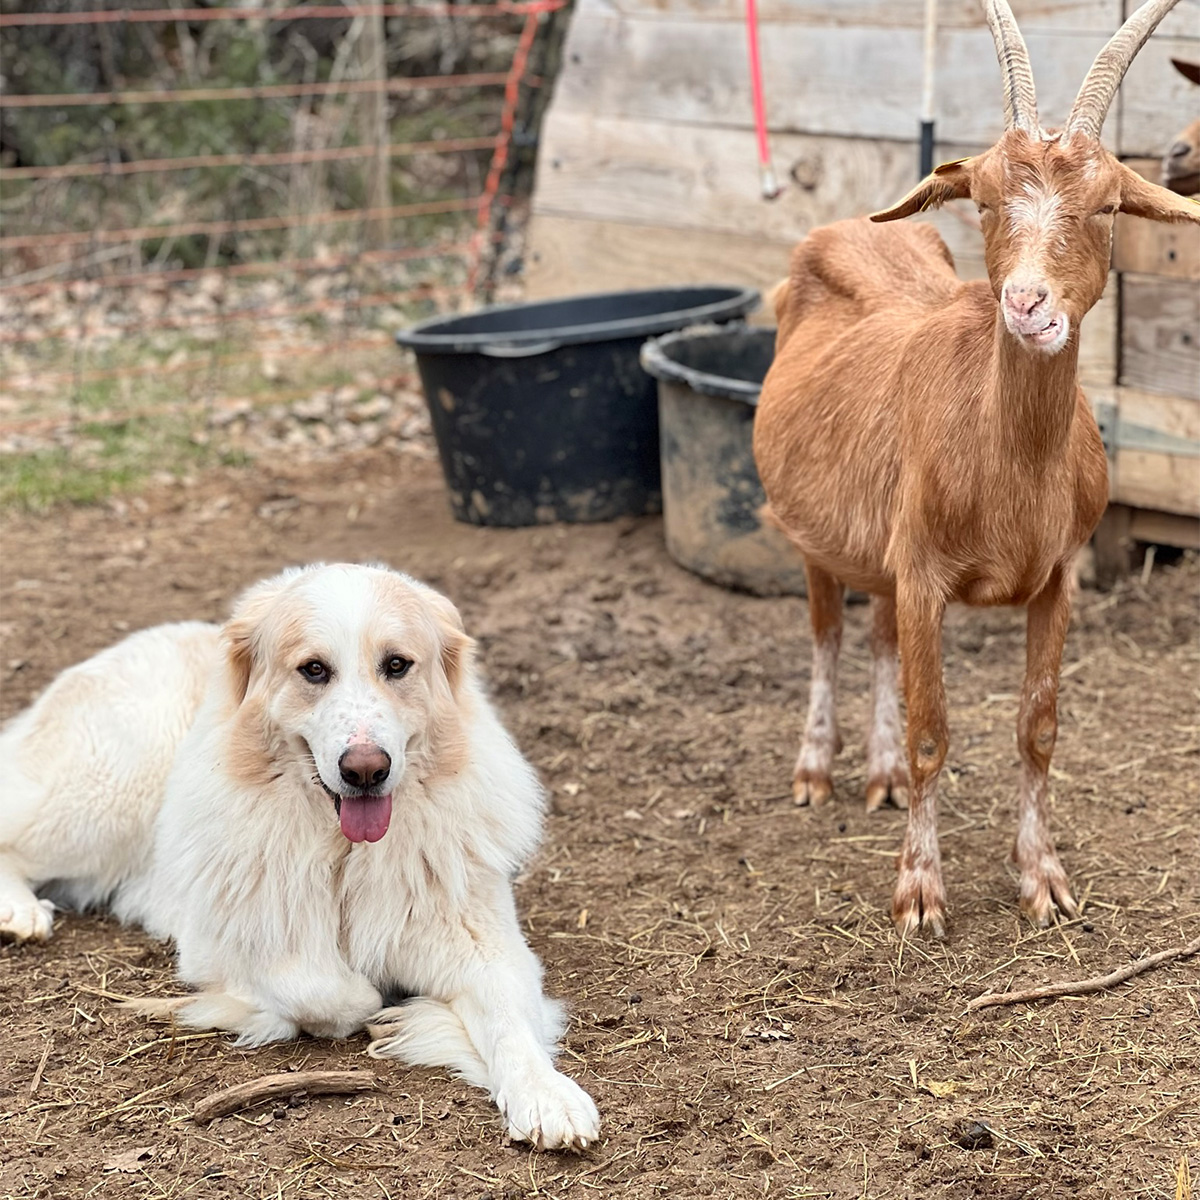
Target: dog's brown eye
x: 396, y: 667
x: 315, y: 671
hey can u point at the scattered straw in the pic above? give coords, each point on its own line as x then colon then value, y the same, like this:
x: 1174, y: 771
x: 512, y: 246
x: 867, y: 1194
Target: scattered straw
x: 41, y: 1067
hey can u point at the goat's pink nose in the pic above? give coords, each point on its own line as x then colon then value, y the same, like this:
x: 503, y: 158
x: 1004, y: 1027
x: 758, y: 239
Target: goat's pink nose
x: 1023, y: 298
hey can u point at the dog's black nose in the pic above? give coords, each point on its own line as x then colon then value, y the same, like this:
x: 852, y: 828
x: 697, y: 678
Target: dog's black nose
x: 364, y: 765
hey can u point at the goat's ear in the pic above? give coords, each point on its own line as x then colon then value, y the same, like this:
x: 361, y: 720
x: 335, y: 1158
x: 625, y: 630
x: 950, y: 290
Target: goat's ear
x: 241, y: 633
x: 1141, y: 198
x: 950, y: 181
x: 1189, y: 70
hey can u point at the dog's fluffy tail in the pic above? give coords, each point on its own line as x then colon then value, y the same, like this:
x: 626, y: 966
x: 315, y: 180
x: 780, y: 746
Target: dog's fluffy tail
x: 427, y: 1033
x: 218, y: 1010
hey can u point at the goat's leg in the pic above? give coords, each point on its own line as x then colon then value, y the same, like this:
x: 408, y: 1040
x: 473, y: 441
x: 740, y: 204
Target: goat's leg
x: 1043, y: 881
x: 920, y: 899
x: 812, y: 781
x: 887, y: 774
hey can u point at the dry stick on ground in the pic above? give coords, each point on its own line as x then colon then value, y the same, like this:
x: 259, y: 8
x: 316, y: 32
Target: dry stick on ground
x: 285, y: 1083
x: 37, y: 1075
x: 1081, y: 987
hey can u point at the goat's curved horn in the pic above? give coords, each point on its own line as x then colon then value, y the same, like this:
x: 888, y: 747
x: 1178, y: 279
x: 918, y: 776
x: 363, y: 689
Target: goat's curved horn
x: 1020, y: 100
x: 1100, y: 86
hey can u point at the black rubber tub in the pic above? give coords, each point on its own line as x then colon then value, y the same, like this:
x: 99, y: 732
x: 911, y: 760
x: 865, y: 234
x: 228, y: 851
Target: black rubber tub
x: 542, y: 412
x: 709, y: 380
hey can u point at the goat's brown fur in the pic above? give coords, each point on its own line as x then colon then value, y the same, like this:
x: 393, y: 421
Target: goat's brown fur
x: 927, y: 440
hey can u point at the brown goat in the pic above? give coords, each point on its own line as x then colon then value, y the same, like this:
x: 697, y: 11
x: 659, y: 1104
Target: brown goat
x: 1181, y: 163
x: 927, y: 441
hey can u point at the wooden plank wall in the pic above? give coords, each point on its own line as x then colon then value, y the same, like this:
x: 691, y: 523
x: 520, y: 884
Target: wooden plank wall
x: 1158, y: 334
x: 1143, y: 475
x: 648, y: 174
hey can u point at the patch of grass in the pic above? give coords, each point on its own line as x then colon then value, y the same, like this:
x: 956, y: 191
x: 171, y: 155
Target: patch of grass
x: 48, y: 477
x: 98, y: 434
x: 95, y: 394
x: 103, y: 460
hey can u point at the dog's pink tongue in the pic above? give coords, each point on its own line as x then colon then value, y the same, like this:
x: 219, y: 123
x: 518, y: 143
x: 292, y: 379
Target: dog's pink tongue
x: 365, y: 818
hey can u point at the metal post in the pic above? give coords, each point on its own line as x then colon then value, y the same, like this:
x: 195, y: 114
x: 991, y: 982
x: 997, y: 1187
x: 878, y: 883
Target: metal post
x: 372, y: 55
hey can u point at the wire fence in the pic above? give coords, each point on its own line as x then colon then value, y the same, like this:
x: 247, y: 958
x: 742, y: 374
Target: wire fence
x: 308, y: 12
x: 248, y: 199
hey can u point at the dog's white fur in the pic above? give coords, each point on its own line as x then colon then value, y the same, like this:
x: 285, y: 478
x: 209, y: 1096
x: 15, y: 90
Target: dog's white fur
x: 186, y: 776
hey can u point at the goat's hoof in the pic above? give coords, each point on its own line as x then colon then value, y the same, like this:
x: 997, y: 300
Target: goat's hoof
x: 810, y: 787
x: 882, y: 788
x: 1046, y: 896
x: 916, y: 917
x: 919, y: 903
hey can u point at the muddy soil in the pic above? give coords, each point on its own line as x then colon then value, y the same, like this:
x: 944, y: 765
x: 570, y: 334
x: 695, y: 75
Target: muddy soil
x: 742, y: 1012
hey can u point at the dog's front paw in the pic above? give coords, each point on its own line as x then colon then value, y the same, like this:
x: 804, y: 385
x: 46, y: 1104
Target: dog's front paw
x: 554, y: 1113
x: 27, y: 921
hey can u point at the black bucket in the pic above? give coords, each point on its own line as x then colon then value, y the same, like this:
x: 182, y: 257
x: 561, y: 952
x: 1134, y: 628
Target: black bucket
x: 541, y: 411
x: 709, y: 380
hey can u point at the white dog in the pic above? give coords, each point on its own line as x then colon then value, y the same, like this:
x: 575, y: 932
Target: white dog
x: 318, y: 803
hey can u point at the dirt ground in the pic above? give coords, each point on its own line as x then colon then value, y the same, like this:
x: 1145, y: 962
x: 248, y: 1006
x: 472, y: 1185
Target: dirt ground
x: 742, y: 1012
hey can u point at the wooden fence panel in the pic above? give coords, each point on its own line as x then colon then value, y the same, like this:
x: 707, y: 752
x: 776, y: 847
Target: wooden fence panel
x: 854, y: 82
x: 698, y: 177
x: 1058, y: 16
x: 1160, y: 335
x: 575, y: 254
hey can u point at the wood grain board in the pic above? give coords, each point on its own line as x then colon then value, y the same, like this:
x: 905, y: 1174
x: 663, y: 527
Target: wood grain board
x: 849, y: 81
x: 1160, y: 335
x: 1154, y: 248
x: 856, y: 80
x: 702, y: 177
x: 572, y: 255
x: 1169, y: 482
x: 1165, y: 529
x: 1144, y: 476
x: 1088, y: 16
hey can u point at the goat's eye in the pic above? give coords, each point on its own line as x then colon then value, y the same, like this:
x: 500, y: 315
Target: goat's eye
x: 315, y: 671
x: 396, y: 667
x: 1108, y: 208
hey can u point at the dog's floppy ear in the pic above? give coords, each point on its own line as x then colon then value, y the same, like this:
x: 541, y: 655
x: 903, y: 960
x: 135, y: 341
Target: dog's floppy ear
x: 449, y: 744
x: 242, y: 631
x: 456, y: 646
